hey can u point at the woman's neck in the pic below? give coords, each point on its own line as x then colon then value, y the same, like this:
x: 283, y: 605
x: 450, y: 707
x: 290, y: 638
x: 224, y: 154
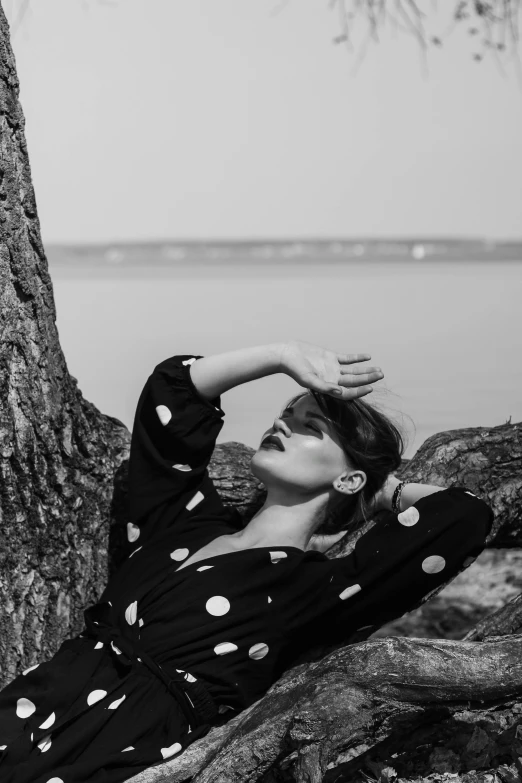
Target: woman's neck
x: 277, y: 524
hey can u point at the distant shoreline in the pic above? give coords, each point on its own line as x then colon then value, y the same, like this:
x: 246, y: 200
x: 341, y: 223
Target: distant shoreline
x: 175, y: 254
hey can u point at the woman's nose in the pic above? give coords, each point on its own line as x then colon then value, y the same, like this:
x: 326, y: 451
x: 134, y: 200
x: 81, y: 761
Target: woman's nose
x: 280, y: 425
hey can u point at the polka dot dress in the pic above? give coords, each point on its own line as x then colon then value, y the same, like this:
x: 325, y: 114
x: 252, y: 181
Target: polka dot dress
x: 231, y: 623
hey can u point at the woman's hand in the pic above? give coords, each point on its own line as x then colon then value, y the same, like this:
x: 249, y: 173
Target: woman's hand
x: 322, y: 543
x: 326, y: 371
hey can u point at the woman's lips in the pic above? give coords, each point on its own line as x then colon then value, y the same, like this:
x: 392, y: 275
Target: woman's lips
x: 273, y: 441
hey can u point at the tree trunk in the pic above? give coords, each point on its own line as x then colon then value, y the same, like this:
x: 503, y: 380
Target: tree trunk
x: 63, y: 513
x: 58, y: 454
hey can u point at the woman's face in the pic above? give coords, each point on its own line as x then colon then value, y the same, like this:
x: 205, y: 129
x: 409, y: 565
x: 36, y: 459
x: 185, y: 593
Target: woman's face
x: 312, y: 458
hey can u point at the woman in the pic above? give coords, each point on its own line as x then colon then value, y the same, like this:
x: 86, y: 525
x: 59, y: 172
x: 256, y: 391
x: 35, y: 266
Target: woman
x: 204, y: 615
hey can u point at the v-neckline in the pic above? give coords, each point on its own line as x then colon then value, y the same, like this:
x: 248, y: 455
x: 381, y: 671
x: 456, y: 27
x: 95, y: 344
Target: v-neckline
x: 237, y: 552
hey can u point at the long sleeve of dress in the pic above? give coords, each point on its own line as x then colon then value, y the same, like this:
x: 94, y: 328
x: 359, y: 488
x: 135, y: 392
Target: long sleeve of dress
x: 173, y: 437
x: 393, y: 566
x: 404, y: 558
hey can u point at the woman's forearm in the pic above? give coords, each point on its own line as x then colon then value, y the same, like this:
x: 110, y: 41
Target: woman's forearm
x: 411, y: 493
x: 216, y: 374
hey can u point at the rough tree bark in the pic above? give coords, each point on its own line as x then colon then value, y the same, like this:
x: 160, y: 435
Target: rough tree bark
x: 58, y: 454
x: 62, y: 508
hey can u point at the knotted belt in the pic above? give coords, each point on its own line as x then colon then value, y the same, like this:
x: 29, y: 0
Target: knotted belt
x: 195, y: 701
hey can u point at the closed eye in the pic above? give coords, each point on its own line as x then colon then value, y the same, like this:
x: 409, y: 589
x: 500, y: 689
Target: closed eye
x: 312, y: 427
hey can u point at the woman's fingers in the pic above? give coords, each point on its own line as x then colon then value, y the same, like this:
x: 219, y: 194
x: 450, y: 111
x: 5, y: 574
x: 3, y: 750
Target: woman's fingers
x: 359, y: 370
x: 352, y: 358
x: 360, y: 391
x: 361, y: 379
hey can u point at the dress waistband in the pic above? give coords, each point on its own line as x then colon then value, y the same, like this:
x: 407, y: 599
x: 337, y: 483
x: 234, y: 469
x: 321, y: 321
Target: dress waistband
x: 192, y: 696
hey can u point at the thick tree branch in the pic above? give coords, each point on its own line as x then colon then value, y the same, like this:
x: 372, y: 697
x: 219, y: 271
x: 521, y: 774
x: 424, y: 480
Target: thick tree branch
x: 361, y: 693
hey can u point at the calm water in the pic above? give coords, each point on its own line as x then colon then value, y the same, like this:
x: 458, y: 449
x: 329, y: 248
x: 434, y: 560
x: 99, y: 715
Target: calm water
x: 448, y: 335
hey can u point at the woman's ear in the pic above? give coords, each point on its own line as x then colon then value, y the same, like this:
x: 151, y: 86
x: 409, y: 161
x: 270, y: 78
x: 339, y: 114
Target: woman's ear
x: 355, y: 481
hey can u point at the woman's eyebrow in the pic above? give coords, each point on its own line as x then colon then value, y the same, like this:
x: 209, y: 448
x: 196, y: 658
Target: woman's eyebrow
x: 311, y: 414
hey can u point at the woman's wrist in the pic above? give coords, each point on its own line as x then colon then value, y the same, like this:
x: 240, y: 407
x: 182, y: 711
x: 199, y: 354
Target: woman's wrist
x: 385, y: 495
x: 409, y: 494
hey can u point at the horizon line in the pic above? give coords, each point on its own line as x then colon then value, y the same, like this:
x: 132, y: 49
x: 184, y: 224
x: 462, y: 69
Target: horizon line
x: 283, y: 240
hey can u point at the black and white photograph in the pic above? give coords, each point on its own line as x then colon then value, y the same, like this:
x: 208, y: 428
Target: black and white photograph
x: 260, y: 391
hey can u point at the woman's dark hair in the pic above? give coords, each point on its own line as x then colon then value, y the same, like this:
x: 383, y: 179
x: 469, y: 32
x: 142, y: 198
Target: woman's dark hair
x: 371, y: 442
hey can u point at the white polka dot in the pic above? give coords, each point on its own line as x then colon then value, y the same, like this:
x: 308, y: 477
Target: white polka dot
x: 189, y: 361
x: 138, y: 659
x: 116, y: 649
x: 24, y: 708
x: 131, y: 612
x: 179, y: 554
x: 225, y: 647
x: 31, y: 668
x: 269, y: 600
x: 184, y: 468
x: 115, y: 704
x: 217, y: 605
x: 433, y: 564
x: 349, y: 591
x: 95, y: 696
x: 136, y: 550
x: 276, y: 556
x: 468, y: 561
x: 171, y: 751
x: 198, y: 497
x: 141, y: 623
x: 98, y: 645
x: 45, y: 743
x: 409, y: 517
x: 49, y: 722
x: 131, y: 747
x: 164, y: 415
x: 258, y: 651
x: 133, y: 532
x: 204, y: 568
x: 189, y: 677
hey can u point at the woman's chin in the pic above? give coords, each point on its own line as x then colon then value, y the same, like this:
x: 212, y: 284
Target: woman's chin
x: 264, y: 451
x: 262, y: 459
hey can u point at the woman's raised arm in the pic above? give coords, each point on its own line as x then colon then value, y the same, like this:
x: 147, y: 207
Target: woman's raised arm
x: 214, y: 375
x: 311, y: 366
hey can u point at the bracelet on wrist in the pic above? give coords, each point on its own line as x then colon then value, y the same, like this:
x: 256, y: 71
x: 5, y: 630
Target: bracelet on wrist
x: 396, y: 499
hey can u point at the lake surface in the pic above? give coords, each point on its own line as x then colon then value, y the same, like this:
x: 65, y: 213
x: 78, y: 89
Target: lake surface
x: 447, y: 334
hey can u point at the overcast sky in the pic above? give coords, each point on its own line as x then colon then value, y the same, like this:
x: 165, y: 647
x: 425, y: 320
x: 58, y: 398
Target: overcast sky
x: 152, y: 119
